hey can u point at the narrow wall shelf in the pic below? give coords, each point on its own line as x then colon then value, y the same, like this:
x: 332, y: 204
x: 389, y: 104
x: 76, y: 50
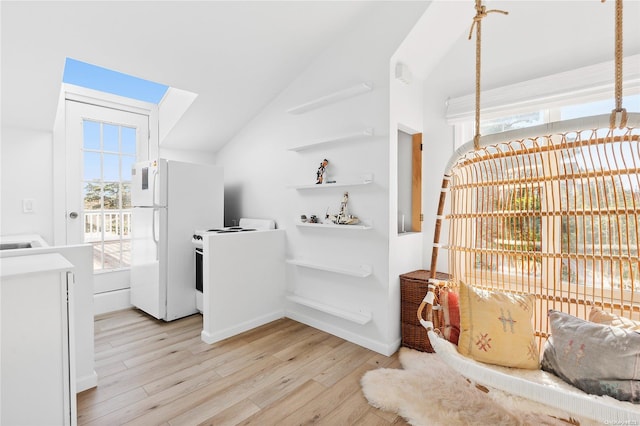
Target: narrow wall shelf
x: 368, y: 132
x: 332, y: 97
x: 362, y: 271
x: 357, y: 317
x: 363, y: 180
x: 361, y: 227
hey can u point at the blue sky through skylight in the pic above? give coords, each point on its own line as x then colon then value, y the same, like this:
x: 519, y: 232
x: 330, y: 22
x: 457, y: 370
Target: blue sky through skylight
x: 109, y: 81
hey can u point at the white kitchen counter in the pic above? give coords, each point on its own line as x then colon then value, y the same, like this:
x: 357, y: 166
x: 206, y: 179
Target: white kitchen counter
x: 32, y: 264
x: 243, y: 281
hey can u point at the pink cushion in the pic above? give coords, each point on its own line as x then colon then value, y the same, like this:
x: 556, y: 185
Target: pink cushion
x: 451, y: 310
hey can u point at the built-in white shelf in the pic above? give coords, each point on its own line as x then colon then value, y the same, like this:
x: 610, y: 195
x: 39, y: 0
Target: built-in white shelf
x: 346, y: 137
x: 362, y: 226
x: 362, y: 271
x: 332, y: 97
x: 365, y: 179
x: 357, y: 317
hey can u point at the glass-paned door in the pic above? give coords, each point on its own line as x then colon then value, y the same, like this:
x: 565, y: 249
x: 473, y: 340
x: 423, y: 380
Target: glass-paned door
x: 108, y: 152
x: 104, y: 144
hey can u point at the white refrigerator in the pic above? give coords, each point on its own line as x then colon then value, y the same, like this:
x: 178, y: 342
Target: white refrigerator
x: 170, y: 199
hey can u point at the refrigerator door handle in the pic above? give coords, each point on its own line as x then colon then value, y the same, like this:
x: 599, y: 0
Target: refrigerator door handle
x: 153, y: 232
x: 154, y: 188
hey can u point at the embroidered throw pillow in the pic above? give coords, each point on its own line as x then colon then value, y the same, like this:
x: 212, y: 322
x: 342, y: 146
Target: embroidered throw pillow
x: 604, y: 317
x: 599, y: 359
x: 496, y: 328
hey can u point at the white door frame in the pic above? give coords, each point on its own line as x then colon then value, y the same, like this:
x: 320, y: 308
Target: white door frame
x: 116, y: 299
x: 77, y: 113
x: 81, y: 94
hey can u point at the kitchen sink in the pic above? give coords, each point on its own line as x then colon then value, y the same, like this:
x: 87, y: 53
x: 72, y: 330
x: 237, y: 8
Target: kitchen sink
x: 21, y: 241
x: 13, y: 246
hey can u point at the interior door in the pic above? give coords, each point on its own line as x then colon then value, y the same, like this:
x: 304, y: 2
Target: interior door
x: 102, y: 145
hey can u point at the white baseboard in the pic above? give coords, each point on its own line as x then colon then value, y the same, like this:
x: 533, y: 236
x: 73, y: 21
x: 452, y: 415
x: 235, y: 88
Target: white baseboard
x: 118, y: 300
x: 111, y: 301
x: 86, y: 382
x: 374, y: 345
x: 210, y: 338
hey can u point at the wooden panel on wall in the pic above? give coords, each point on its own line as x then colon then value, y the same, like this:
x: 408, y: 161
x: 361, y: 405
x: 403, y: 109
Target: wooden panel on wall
x: 416, y: 179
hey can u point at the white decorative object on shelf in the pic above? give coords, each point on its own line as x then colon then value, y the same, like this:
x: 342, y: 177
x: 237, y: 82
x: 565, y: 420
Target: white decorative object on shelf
x: 365, y: 179
x: 362, y: 271
x: 332, y: 97
x: 357, y: 317
x: 368, y: 132
x: 364, y: 225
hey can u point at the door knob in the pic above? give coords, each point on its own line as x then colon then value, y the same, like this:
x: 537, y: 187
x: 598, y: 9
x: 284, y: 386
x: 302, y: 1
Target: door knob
x: 73, y: 215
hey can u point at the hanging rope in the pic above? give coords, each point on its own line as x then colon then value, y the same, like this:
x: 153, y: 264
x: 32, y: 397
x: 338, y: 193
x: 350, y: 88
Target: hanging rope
x: 481, y: 13
x: 618, y: 54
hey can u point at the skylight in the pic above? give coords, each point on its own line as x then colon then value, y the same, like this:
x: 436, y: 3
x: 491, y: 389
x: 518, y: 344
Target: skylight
x: 105, y: 80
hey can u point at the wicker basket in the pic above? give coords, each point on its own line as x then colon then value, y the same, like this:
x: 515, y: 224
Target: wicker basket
x: 413, y: 288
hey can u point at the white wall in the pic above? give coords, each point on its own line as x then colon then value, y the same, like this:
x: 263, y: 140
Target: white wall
x: 438, y: 147
x: 405, y: 250
x: 27, y: 171
x: 188, y: 156
x: 258, y: 168
x: 412, y: 105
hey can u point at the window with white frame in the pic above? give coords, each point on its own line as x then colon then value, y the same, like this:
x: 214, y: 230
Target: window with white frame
x: 566, y: 105
x: 576, y: 93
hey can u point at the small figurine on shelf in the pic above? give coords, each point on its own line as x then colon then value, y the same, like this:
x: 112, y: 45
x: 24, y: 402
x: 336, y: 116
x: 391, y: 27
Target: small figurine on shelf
x: 343, y: 217
x: 321, y: 174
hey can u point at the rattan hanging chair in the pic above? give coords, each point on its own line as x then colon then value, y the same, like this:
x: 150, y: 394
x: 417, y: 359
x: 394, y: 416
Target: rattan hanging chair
x: 554, y: 211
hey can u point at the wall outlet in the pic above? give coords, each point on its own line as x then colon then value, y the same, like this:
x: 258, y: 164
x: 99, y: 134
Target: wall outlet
x: 28, y: 205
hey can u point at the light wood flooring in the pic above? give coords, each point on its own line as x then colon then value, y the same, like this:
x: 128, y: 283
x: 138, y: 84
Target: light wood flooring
x: 283, y: 373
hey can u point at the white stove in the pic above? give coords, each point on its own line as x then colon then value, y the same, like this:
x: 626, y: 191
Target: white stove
x: 245, y: 225
x: 199, y: 233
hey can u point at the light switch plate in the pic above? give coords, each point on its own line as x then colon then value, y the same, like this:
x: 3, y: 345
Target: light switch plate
x: 28, y: 205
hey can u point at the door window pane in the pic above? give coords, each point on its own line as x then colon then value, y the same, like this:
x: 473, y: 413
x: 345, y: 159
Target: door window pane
x: 128, y: 140
x: 109, y: 151
x: 111, y: 140
x: 127, y: 164
x: 112, y: 195
x: 92, y: 166
x: 91, y: 135
x: 126, y: 195
x: 92, y: 196
x: 111, y: 167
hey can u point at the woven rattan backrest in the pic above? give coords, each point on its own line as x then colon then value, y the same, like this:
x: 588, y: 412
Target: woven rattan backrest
x: 555, y: 215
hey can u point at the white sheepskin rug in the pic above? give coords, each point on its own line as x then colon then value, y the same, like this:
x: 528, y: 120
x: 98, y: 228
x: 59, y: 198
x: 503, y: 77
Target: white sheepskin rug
x: 428, y: 392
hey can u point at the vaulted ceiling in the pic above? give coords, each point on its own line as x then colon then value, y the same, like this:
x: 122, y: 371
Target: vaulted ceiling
x: 238, y: 55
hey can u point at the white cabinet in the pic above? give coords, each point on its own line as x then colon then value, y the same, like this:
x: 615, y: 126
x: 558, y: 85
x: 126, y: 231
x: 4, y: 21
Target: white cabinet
x: 37, y: 371
x: 81, y: 256
x: 243, y: 281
